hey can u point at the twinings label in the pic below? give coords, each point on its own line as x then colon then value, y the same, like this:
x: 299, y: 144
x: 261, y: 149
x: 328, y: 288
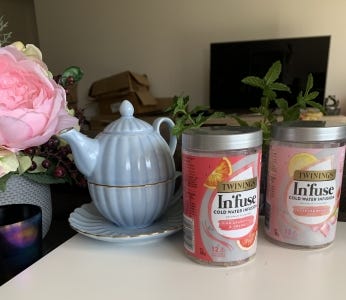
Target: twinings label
x: 315, y: 175
x: 237, y: 186
x: 304, y: 186
x: 221, y: 198
x: 311, y: 202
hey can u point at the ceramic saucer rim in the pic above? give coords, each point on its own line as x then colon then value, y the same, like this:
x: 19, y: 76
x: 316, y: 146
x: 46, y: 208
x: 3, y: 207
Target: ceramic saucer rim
x: 127, y: 237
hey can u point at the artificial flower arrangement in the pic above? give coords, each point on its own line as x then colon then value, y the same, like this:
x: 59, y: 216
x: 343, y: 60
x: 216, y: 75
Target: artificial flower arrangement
x: 33, y: 110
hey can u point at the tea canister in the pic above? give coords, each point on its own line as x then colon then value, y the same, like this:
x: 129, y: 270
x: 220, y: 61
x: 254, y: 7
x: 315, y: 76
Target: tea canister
x: 306, y: 160
x: 221, y: 175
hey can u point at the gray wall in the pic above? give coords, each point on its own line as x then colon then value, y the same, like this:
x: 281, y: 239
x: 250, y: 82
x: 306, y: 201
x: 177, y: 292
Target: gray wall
x: 169, y: 40
x: 21, y: 18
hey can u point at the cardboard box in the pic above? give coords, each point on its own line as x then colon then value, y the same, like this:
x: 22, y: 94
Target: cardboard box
x: 111, y: 91
x: 103, y: 119
x: 110, y: 104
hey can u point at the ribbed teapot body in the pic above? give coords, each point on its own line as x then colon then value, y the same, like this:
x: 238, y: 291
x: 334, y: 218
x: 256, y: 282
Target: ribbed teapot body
x: 133, y: 159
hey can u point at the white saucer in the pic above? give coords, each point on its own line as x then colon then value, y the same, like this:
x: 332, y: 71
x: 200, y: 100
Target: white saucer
x: 89, y: 222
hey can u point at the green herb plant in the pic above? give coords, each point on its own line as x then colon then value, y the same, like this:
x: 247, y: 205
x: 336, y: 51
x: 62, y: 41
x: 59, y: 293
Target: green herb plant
x: 270, y: 86
x: 185, y: 118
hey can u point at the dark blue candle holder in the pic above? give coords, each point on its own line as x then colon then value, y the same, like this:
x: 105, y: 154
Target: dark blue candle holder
x: 20, y: 238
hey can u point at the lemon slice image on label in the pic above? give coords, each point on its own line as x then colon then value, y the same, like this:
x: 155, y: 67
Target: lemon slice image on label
x: 300, y: 161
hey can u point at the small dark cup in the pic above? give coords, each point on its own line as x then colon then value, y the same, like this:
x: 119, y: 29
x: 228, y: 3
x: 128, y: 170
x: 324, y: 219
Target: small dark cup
x: 20, y: 238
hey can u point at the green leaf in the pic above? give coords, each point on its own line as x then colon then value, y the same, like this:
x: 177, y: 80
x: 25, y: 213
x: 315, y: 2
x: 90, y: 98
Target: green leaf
x: 255, y: 110
x: 200, y: 108
x: 240, y: 121
x: 292, y: 113
x: 173, y: 105
x: 311, y: 96
x: 281, y: 103
x: 24, y: 163
x: 75, y: 72
x: 300, y: 98
x: 270, y: 94
x: 185, y: 118
x: 199, y: 118
x: 3, y: 181
x: 293, y: 116
x: 179, y: 107
x: 177, y: 131
x: 43, y: 178
x: 254, y: 81
x: 273, y: 73
x: 39, y: 168
x: 179, y: 126
x: 279, y: 87
x: 218, y: 115
x: 178, y: 111
x: 180, y: 102
x: 316, y: 105
x: 309, y: 84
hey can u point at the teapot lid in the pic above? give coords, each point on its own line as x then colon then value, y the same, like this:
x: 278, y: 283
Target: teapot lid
x: 127, y: 123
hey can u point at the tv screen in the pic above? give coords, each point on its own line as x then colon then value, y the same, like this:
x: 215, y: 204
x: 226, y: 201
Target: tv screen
x: 230, y: 62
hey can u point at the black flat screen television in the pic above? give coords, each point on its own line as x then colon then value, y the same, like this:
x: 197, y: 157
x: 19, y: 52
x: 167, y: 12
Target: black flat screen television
x: 230, y: 62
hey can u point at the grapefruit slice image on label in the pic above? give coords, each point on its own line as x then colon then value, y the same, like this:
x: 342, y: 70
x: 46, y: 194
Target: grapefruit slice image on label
x: 248, y: 241
x: 300, y: 161
x: 219, y: 174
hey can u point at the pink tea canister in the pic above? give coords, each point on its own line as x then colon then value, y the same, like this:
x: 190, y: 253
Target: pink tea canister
x: 305, y: 171
x: 221, y: 175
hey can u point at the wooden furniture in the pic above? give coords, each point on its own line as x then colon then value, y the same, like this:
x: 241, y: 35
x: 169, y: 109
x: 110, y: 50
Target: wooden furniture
x: 250, y: 118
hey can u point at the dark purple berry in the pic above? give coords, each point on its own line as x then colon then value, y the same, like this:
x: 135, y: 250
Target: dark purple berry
x: 33, y: 166
x: 57, y: 79
x: 65, y: 150
x: 46, y: 163
x: 70, y: 80
x: 30, y: 151
x: 53, y: 142
x: 59, y: 172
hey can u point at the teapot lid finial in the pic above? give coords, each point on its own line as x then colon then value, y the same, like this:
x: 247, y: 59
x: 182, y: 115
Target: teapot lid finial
x: 126, y: 109
x: 127, y: 123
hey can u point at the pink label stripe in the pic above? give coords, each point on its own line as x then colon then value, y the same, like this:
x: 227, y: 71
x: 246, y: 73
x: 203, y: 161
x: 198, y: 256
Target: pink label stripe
x: 236, y: 224
x: 311, y: 211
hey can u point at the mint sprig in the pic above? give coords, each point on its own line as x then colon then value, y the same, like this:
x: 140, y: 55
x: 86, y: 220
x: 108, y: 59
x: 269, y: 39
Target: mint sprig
x: 270, y: 86
x: 185, y: 118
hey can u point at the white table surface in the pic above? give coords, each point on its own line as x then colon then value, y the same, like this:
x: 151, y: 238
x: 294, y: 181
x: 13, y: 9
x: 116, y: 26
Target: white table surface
x: 84, y: 268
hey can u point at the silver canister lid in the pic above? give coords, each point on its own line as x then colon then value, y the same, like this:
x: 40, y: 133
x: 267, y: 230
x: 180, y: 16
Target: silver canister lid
x: 220, y: 138
x: 309, y: 131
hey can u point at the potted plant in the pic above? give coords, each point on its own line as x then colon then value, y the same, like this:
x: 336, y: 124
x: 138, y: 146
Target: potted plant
x: 271, y: 109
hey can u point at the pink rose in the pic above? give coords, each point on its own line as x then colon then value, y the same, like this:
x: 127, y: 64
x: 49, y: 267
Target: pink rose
x: 33, y: 106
